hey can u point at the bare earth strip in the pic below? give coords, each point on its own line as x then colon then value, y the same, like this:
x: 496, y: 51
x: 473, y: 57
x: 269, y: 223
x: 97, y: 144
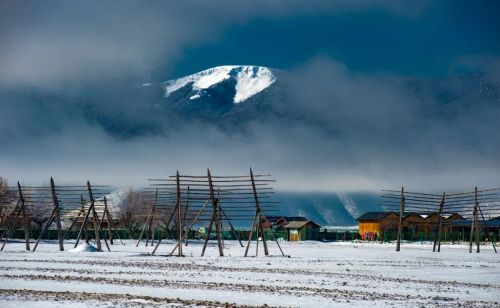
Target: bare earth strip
x: 123, y: 300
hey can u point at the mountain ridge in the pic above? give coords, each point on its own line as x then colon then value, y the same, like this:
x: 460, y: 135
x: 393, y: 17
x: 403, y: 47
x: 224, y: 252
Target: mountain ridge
x: 247, y: 81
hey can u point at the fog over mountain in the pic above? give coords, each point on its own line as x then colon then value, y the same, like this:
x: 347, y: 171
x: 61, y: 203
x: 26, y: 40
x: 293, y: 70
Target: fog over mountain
x: 330, y: 97
x: 319, y: 127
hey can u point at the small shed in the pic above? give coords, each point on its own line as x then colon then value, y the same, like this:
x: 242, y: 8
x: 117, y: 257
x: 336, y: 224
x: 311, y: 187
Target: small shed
x: 277, y: 223
x: 302, y: 230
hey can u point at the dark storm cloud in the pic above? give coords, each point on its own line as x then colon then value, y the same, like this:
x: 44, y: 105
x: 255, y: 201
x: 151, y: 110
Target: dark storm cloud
x: 339, y: 129
x: 56, y: 44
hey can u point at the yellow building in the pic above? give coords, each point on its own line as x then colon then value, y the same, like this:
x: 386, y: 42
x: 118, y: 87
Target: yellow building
x: 377, y: 222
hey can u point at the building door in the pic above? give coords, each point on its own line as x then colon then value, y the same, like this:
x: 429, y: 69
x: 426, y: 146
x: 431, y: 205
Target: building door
x: 293, y: 235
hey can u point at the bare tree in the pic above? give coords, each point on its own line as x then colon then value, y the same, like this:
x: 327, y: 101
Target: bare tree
x: 6, y: 199
x: 130, y: 208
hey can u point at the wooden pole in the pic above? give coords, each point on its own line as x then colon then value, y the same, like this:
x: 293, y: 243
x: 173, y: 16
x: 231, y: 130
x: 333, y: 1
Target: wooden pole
x: 437, y: 236
x: 488, y: 233
x: 257, y: 230
x: 185, y: 219
x: 84, y: 224
x: 85, y: 236
x: 108, y: 220
x: 215, y: 216
x: 165, y: 230
x: 114, y: 226
x: 401, y: 214
x: 13, y: 217
x: 179, y: 214
x: 251, y: 234
x: 57, y: 215
x: 231, y: 226
x: 13, y: 224
x: 264, y: 241
x: 207, y: 236
x: 152, y: 224
x: 45, y: 227
x: 99, y: 228
x: 153, y: 232
x: 82, y: 210
x: 149, y: 223
x: 472, y: 228
x: 219, y: 218
x: 144, y: 227
x: 218, y: 228
x: 191, y: 225
x: 441, y: 223
x: 148, y: 232
x: 221, y: 224
x: 476, y: 218
x: 272, y: 233
x: 94, y: 216
x: 99, y: 225
x: 257, y: 205
x: 25, y: 218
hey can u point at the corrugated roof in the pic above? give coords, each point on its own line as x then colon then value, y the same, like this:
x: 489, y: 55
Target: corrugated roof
x: 299, y: 224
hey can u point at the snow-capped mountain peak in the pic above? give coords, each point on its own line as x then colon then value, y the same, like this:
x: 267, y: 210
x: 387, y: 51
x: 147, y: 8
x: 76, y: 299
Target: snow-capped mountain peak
x: 249, y: 80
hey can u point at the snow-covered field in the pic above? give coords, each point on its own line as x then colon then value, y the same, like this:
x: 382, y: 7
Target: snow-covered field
x: 317, y: 274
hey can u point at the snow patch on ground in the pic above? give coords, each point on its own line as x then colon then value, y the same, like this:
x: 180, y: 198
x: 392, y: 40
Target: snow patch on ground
x: 85, y: 247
